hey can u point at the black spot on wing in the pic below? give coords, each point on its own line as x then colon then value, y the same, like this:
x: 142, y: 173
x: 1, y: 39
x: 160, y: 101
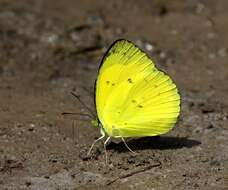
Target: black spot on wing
x: 130, y: 80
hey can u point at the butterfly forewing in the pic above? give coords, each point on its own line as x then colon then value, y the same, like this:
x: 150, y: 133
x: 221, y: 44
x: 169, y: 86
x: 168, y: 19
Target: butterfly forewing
x: 134, y: 98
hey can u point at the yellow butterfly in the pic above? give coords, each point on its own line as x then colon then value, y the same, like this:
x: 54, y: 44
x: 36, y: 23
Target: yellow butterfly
x: 133, y: 98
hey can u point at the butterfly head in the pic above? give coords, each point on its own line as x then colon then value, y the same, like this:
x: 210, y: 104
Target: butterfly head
x: 95, y: 122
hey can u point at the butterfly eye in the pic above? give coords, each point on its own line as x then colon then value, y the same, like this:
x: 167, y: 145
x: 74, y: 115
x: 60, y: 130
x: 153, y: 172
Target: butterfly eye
x: 95, y: 123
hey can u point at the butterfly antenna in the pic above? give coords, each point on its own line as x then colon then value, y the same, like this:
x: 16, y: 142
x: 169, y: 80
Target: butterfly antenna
x: 83, y: 104
x: 74, y: 113
x: 87, y: 91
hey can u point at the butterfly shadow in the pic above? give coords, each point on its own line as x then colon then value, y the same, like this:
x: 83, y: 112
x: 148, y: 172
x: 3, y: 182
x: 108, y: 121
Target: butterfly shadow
x: 157, y: 142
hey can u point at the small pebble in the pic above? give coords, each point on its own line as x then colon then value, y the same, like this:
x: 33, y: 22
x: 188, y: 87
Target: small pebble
x: 139, y: 43
x: 174, y: 32
x: 149, y: 47
x: 95, y: 20
x: 162, y: 55
x: 32, y: 125
x: 49, y: 38
x: 211, y: 35
x: 222, y: 52
x: 211, y: 55
x: 199, y: 8
x: 83, y: 155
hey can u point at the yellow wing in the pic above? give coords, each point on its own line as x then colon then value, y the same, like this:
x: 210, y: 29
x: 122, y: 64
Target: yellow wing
x: 133, y: 98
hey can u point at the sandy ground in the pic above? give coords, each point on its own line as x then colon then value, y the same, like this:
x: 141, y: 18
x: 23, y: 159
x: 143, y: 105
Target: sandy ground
x: 49, y: 48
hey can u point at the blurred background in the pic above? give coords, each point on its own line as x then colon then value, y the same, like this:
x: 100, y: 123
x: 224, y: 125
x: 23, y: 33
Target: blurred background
x: 50, y: 48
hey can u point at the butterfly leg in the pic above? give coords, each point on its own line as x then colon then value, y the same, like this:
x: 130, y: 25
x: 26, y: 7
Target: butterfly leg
x: 106, y: 155
x: 101, y: 137
x: 127, y: 146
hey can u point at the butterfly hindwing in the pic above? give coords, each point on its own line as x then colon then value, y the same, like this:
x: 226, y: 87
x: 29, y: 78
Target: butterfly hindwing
x: 134, y: 98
